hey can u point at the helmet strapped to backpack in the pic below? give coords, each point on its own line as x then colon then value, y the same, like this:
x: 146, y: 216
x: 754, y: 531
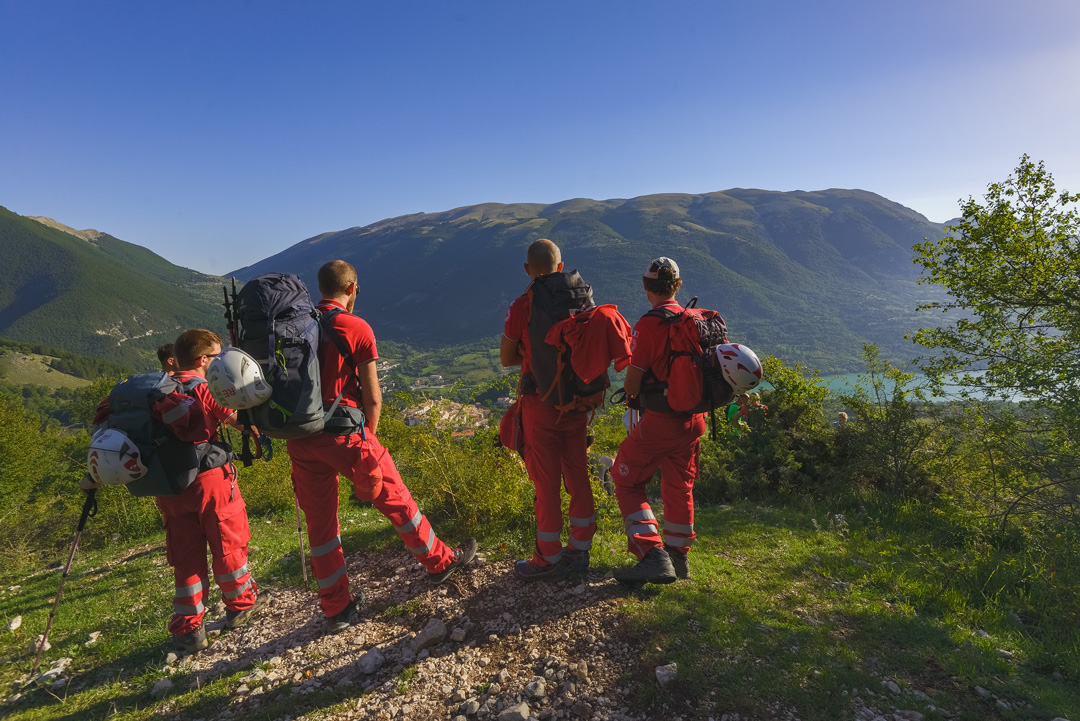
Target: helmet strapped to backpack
x: 113, y: 459
x: 165, y: 465
x: 740, y: 366
x: 236, y: 381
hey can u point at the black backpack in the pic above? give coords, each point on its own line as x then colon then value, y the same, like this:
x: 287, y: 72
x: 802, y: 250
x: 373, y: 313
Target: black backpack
x: 172, y: 464
x: 555, y: 297
x: 281, y: 328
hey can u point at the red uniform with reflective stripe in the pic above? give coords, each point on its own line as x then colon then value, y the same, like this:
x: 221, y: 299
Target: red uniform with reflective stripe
x: 555, y: 451
x: 670, y: 441
x: 209, y: 512
x: 318, y: 460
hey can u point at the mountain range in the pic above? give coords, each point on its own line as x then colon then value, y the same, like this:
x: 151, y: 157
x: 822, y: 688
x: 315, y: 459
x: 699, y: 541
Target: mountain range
x: 806, y: 276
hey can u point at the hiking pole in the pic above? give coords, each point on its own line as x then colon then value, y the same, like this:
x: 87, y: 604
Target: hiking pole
x: 300, y: 533
x: 89, y: 509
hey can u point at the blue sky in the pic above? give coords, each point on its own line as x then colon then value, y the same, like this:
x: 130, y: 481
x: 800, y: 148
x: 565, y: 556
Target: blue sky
x: 219, y: 133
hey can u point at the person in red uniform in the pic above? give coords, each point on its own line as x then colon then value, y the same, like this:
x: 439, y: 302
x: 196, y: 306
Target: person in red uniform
x: 210, y: 512
x: 669, y: 441
x: 350, y: 448
x: 555, y: 446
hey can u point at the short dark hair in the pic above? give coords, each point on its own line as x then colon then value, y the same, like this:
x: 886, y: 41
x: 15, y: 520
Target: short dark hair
x: 665, y: 284
x: 335, y: 277
x: 192, y: 344
x: 165, y: 353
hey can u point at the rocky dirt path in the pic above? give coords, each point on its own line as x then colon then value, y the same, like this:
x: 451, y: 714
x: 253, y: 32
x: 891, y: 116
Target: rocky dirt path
x: 481, y: 646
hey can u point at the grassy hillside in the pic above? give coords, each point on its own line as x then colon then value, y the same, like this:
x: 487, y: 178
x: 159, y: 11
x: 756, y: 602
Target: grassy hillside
x: 104, y: 297
x: 804, y: 276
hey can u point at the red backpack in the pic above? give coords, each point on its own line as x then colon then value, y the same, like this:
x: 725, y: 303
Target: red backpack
x: 588, y: 343
x: 695, y: 383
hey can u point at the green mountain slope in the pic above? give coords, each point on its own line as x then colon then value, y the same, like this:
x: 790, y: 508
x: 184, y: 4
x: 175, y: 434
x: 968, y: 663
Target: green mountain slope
x: 95, y: 294
x: 807, y: 276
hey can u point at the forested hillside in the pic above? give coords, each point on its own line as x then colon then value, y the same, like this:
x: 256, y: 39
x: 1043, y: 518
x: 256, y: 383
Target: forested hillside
x: 102, y: 297
x: 807, y: 276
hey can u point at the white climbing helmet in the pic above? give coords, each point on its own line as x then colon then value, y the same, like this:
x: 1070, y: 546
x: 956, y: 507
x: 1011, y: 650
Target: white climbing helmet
x: 236, y: 381
x: 740, y: 366
x: 113, y: 459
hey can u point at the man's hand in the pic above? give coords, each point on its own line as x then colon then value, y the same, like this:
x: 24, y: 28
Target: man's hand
x: 88, y: 484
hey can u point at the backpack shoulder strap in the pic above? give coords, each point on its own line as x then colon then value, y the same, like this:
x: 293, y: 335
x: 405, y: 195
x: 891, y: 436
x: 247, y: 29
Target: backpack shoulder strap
x: 333, y: 334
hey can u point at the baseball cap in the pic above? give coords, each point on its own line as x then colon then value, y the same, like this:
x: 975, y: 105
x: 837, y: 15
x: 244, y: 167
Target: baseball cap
x: 653, y: 271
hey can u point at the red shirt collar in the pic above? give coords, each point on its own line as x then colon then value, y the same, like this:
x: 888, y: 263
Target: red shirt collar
x: 670, y: 301
x: 328, y: 301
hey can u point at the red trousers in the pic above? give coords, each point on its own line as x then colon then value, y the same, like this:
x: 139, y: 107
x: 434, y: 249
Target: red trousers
x: 316, y: 463
x: 555, y: 455
x: 672, y: 443
x: 209, y: 512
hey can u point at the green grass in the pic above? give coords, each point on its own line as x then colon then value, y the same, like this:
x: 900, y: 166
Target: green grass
x: 23, y: 369
x: 787, y: 607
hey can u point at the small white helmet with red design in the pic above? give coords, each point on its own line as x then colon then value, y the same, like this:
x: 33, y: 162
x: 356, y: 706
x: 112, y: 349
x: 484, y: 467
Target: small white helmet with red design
x: 236, y: 381
x: 740, y: 366
x: 113, y: 459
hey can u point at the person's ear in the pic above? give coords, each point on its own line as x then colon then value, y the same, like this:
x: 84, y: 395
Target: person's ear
x: 526, y: 269
x: 559, y: 269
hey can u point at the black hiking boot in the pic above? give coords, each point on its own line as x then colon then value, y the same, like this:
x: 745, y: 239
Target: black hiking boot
x: 347, y: 617
x: 529, y: 571
x: 655, y: 567
x: 678, y: 561
x: 463, y: 556
x: 577, y: 561
x: 192, y: 641
x: 236, y: 619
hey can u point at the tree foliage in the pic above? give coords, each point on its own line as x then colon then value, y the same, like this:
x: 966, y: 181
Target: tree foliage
x: 1012, y: 267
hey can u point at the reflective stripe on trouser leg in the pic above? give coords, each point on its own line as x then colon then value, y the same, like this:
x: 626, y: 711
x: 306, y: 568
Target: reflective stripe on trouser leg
x: 548, y: 540
x: 315, y: 462
x: 189, y: 598
x: 581, y: 532
x: 678, y: 471
x: 555, y: 455
x: 679, y: 535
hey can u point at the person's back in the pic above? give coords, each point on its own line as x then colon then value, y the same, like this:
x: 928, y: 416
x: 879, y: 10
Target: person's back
x: 555, y: 439
x: 668, y: 441
x: 209, y: 513
x: 350, y: 447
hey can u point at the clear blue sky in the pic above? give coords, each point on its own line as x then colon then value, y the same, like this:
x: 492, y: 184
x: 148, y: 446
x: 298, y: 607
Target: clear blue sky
x: 218, y: 133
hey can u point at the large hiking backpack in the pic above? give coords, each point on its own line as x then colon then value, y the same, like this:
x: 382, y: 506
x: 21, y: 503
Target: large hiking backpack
x: 279, y: 327
x: 171, y: 464
x: 695, y: 381
x: 553, y: 298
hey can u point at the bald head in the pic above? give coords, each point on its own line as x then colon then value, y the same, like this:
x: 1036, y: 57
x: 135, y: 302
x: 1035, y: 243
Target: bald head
x: 544, y: 257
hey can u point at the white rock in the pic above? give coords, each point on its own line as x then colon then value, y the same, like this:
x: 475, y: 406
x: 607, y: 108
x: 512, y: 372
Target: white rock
x: 519, y: 712
x: 666, y: 674
x: 981, y: 692
x: 92, y: 639
x: 14, y: 623
x: 161, y: 688
x: 458, y: 634
x: 982, y: 634
x: 371, y: 661
x: 893, y: 688
x: 434, y: 632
